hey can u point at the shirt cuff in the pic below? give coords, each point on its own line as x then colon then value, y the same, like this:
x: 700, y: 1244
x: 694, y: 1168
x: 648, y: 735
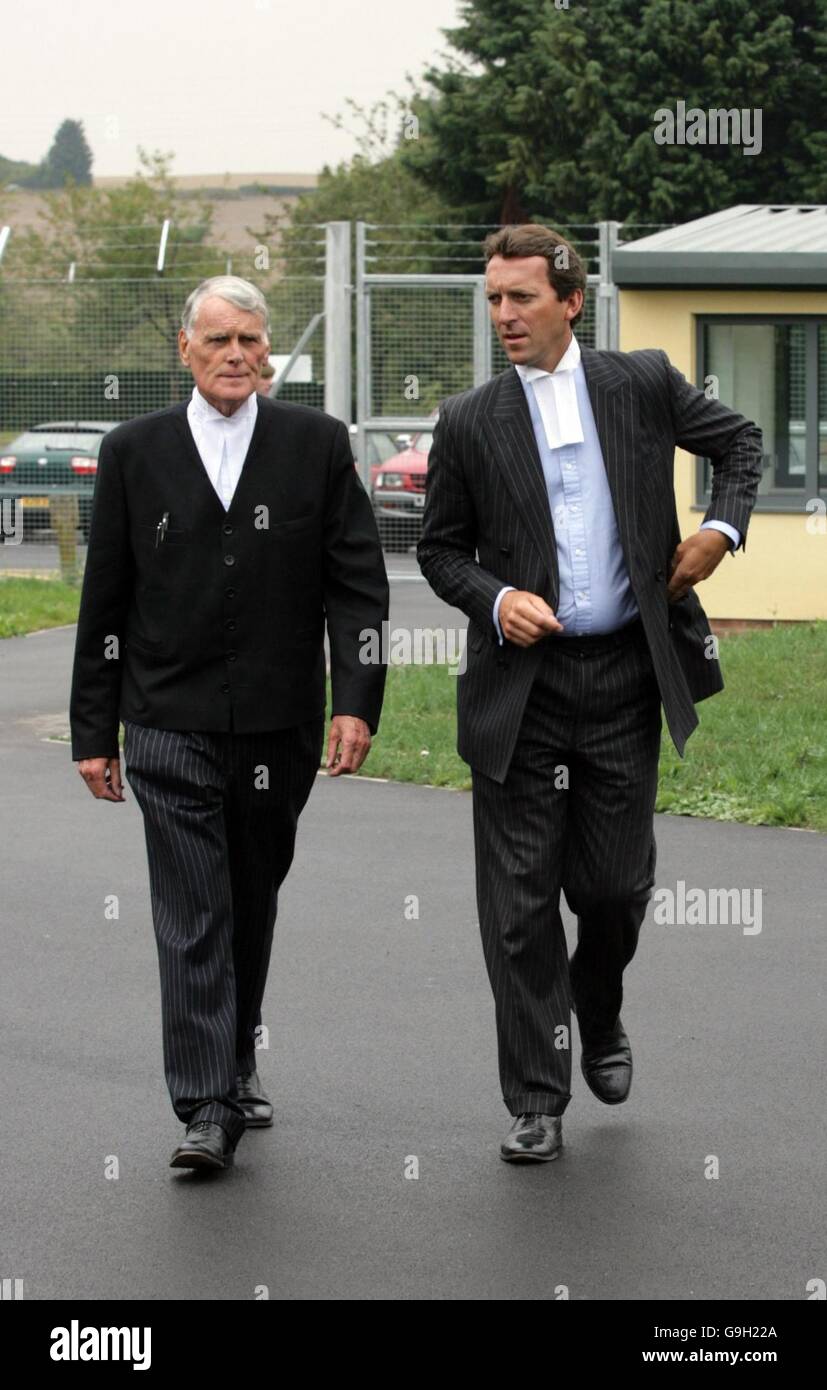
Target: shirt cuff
x: 506, y: 589
x: 731, y: 531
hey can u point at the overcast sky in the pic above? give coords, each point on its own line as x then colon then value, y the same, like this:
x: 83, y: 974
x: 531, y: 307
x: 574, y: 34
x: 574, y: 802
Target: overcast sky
x: 228, y: 85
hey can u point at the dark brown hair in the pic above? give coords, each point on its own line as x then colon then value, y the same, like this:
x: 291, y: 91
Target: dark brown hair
x: 530, y: 239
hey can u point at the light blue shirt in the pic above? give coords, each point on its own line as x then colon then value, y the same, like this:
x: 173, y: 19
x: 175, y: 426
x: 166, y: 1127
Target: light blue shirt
x: 595, y: 589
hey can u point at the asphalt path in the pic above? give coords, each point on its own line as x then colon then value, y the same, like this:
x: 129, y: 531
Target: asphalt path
x: 382, y: 1062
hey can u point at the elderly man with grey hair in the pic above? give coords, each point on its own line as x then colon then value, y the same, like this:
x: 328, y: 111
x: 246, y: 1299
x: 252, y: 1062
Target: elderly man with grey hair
x: 225, y: 534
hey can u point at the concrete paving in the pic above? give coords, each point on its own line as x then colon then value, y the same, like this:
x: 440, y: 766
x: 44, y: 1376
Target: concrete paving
x: 382, y: 1059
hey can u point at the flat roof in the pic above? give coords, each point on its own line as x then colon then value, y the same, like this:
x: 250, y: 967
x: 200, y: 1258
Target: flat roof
x: 750, y: 244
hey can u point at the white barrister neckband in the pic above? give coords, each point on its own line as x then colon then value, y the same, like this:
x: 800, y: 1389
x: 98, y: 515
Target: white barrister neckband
x: 556, y: 395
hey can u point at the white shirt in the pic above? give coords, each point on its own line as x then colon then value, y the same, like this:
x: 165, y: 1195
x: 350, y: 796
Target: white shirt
x: 210, y: 429
x: 556, y: 396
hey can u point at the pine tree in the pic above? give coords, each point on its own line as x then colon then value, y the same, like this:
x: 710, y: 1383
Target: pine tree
x: 549, y: 109
x: 69, y: 157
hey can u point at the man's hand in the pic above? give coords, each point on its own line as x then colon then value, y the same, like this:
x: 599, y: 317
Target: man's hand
x: 94, y: 770
x: 694, y: 560
x: 525, y: 618
x: 348, y: 744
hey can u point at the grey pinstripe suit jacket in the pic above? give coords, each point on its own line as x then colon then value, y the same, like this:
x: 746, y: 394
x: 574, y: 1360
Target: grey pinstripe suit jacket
x: 487, y: 523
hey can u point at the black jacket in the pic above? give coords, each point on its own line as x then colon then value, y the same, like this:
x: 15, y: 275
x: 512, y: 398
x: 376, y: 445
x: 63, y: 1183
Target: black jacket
x: 487, y: 523
x: 221, y: 625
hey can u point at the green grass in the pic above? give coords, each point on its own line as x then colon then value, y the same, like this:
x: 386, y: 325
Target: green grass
x: 416, y: 741
x: 29, y: 604
x: 758, y: 756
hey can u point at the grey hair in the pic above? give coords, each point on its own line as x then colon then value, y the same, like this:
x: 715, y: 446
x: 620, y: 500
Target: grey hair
x: 232, y: 288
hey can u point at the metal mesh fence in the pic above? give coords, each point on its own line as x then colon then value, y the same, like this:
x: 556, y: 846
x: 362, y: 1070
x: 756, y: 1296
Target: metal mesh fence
x: 94, y: 353
x: 422, y: 347
x: 416, y: 248
x: 423, y: 339
x: 98, y: 350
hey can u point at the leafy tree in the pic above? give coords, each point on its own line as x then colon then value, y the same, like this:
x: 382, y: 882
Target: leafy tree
x: 118, y: 312
x: 69, y: 158
x: 113, y: 233
x: 17, y: 171
x: 406, y: 235
x: 374, y: 186
x: 547, y: 108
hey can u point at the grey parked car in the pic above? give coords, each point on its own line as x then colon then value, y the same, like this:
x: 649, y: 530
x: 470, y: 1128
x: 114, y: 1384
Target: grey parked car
x: 49, y: 457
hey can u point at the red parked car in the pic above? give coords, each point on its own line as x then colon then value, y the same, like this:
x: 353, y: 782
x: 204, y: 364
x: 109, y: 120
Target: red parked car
x: 398, y: 493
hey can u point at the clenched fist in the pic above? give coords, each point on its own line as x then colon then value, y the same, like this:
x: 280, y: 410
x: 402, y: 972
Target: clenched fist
x: 525, y: 618
x: 94, y: 770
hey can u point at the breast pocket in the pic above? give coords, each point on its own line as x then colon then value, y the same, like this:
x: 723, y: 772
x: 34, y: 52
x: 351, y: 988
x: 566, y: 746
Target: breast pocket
x: 148, y: 534
x: 296, y: 523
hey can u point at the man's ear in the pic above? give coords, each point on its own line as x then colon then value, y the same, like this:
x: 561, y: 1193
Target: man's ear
x: 183, y: 347
x: 573, y: 308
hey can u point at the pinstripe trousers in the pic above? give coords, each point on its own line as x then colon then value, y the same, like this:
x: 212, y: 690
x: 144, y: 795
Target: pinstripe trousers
x: 575, y: 813
x: 220, y: 813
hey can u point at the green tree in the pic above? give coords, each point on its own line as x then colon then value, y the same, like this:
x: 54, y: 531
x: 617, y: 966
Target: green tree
x: 68, y: 158
x: 406, y: 235
x: 374, y: 186
x: 114, y: 233
x: 547, y: 108
x: 118, y: 312
x: 17, y: 171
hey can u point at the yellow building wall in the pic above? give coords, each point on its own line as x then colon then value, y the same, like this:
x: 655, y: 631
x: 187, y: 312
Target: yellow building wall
x: 783, y: 573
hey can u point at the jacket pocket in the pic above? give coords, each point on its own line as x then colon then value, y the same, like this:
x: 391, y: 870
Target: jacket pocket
x: 147, y: 532
x: 296, y: 523
x: 150, y: 646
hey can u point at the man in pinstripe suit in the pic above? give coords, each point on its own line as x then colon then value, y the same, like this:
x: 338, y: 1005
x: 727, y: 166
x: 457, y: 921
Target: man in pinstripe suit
x: 550, y: 520
x: 226, y: 532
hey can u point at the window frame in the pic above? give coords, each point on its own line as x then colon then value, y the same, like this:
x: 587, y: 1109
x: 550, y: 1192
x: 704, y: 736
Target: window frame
x: 777, y: 499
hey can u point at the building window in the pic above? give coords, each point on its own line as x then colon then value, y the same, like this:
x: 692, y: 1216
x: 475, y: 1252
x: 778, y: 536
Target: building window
x: 774, y: 371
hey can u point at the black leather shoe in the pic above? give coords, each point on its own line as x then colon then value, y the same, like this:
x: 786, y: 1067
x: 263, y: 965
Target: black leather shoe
x: 606, y: 1063
x: 207, y: 1145
x: 248, y: 1091
x: 533, y: 1138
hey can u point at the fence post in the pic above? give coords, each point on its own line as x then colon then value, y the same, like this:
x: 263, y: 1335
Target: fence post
x: 607, y: 328
x: 362, y: 351
x: 482, y: 335
x: 160, y: 264
x: 338, y: 384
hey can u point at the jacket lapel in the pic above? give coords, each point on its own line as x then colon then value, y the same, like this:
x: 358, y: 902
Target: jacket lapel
x: 510, y: 432
x: 193, y: 456
x: 613, y: 397
x: 511, y: 435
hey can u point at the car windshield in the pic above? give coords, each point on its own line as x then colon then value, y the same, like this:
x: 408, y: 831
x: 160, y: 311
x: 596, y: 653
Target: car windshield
x: 381, y: 446
x: 423, y: 442
x: 33, y: 440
